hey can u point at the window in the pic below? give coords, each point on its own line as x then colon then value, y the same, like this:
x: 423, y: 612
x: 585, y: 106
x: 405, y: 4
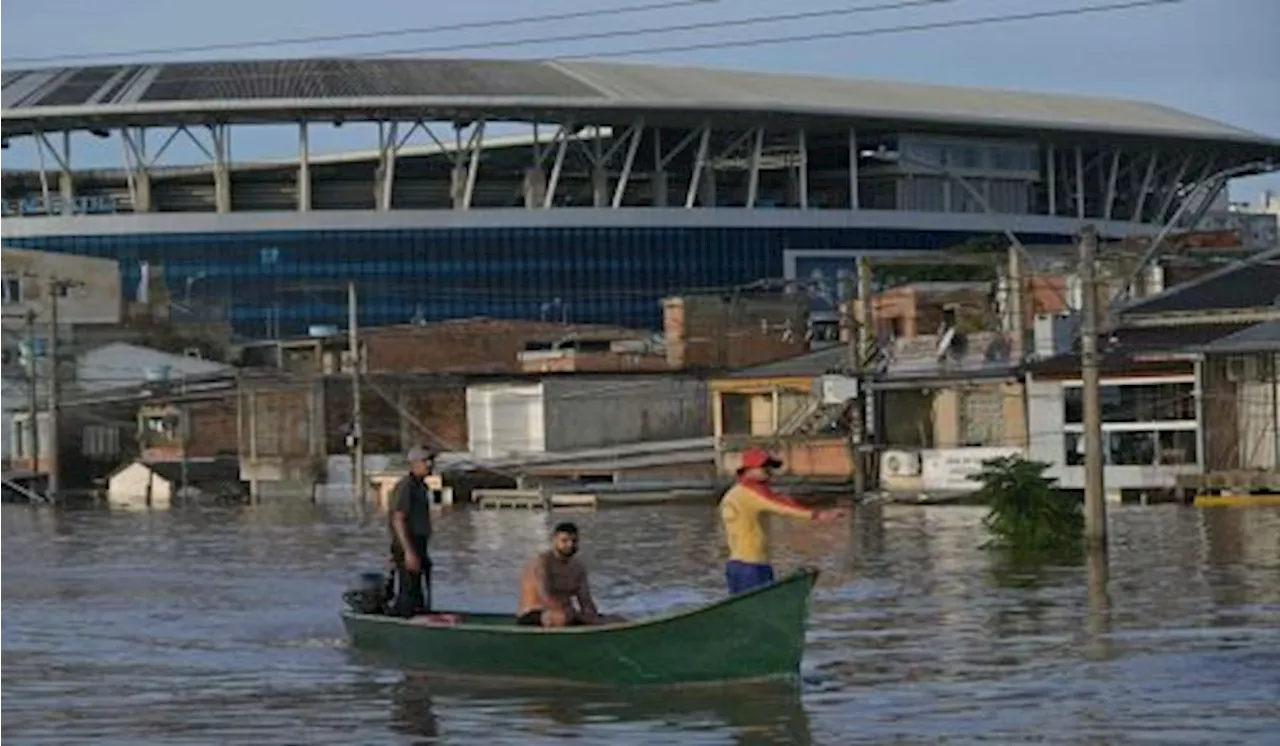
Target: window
x: 1138, y: 402
x: 12, y: 291
x: 735, y: 414
x: 1144, y: 424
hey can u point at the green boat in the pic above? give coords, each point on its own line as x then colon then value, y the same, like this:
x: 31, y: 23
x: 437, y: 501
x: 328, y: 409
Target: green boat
x: 757, y: 635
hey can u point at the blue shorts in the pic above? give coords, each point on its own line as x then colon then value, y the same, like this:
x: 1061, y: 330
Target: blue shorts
x: 743, y: 576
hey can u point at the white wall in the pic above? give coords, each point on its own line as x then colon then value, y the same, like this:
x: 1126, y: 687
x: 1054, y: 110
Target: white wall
x: 128, y: 486
x: 1048, y: 442
x: 505, y: 419
x: 121, y: 364
x: 95, y: 299
x: 586, y: 412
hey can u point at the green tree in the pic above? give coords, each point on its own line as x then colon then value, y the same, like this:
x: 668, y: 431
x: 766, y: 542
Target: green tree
x: 1027, y: 515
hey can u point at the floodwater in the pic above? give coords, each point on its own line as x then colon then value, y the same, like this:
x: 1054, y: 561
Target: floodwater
x: 204, y: 626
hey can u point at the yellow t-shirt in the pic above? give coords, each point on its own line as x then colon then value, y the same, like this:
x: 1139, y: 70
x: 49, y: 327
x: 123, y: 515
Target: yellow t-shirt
x: 743, y: 508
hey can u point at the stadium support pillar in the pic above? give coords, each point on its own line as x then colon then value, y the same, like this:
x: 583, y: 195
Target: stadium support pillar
x: 699, y: 167
x: 1112, y: 177
x: 304, y: 169
x: 628, y: 163
x: 1171, y: 192
x: 66, y: 182
x: 142, y: 191
x: 385, y: 176
x: 753, y: 168
x: 466, y: 165
x: 661, y: 181
x: 549, y: 198
x: 853, y: 169
x: 1079, y: 187
x: 802, y: 168
x: 535, y: 187
x: 137, y: 168
x: 1051, y: 177
x: 1145, y: 188
x: 221, y: 135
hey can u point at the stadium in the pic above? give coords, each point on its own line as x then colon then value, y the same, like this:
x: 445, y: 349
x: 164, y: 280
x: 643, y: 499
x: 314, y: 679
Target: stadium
x: 574, y: 189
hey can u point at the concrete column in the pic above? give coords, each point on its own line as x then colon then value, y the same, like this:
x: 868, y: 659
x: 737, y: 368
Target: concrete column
x: 600, y: 196
x: 535, y: 188
x: 142, y: 185
x: 458, y: 185
x: 707, y: 187
x: 67, y: 190
x: 661, y: 181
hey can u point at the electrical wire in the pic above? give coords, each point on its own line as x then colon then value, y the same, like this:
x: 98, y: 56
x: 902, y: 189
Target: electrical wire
x: 879, y: 31
x: 668, y: 29
x: 360, y: 35
x: 244, y: 75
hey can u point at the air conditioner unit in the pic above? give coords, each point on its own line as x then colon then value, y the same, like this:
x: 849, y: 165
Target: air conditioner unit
x: 899, y: 464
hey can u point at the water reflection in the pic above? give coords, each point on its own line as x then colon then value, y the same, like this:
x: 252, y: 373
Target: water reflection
x: 750, y: 714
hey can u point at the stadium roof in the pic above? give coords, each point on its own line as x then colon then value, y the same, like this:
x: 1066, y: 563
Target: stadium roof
x: 54, y: 99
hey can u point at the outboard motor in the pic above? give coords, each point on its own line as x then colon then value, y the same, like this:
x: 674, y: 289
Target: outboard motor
x: 370, y: 596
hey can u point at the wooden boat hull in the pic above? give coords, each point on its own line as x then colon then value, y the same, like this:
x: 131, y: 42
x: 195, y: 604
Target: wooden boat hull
x: 752, y: 636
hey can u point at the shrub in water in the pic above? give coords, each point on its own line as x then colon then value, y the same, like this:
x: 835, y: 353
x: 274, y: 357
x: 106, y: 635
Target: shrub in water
x: 1027, y: 514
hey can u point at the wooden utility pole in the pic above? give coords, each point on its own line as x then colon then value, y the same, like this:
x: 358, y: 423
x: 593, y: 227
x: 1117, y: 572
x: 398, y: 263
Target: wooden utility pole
x: 1095, y: 507
x: 357, y: 417
x: 1017, y: 306
x: 854, y: 364
x: 33, y: 391
x: 866, y: 400
x: 857, y: 322
x: 184, y: 432
x: 54, y: 469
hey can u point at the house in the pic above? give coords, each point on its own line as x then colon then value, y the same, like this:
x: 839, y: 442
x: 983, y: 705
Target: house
x: 101, y: 392
x: 1155, y: 414
x: 290, y: 424
x: 1240, y: 408
x: 940, y: 406
x: 159, y: 484
x: 560, y: 413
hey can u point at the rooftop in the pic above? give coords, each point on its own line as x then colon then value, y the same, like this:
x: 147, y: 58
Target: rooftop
x: 1250, y: 284
x: 286, y: 90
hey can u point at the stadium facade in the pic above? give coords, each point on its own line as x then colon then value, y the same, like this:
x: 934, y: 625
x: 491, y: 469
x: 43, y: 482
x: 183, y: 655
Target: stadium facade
x: 576, y: 190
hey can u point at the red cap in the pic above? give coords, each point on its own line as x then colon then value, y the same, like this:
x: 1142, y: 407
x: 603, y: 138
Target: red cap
x: 758, y: 458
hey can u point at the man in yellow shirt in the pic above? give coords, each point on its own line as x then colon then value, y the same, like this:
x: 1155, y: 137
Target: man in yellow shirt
x: 743, y: 509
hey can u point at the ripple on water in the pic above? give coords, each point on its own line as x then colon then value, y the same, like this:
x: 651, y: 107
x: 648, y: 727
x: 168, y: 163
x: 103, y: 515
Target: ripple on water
x: 219, y: 626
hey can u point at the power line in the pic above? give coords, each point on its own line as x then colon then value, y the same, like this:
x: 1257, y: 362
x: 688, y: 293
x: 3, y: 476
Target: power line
x: 726, y: 44
x: 824, y: 36
x: 679, y: 28
x: 355, y: 36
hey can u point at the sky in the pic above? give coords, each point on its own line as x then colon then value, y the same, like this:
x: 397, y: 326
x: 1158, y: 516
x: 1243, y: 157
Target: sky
x: 1214, y: 58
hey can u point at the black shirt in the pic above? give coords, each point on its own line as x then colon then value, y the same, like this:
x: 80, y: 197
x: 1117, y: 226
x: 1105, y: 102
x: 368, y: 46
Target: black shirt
x: 411, y: 497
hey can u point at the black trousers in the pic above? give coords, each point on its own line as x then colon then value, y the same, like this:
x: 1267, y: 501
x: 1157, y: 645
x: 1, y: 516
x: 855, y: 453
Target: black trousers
x: 411, y: 590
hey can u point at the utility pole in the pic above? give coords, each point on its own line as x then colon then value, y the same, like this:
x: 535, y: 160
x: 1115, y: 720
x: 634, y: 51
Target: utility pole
x: 866, y: 399
x: 1017, y: 306
x: 1095, y: 507
x: 857, y: 323
x: 56, y: 286
x: 184, y: 430
x: 33, y: 391
x: 357, y: 419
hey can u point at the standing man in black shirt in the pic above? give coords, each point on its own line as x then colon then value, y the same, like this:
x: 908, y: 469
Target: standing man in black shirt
x: 410, y: 523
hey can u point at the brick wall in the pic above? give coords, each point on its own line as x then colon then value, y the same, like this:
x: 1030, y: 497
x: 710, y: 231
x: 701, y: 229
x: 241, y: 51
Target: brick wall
x: 733, y: 331
x: 475, y: 345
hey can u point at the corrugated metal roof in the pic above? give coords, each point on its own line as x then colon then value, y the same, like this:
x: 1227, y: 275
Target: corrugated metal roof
x: 284, y: 88
x: 1263, y: 337
x: 1253, y: 283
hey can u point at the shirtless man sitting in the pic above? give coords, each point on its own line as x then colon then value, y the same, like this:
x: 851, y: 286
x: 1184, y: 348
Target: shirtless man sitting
x: 553, y: 580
